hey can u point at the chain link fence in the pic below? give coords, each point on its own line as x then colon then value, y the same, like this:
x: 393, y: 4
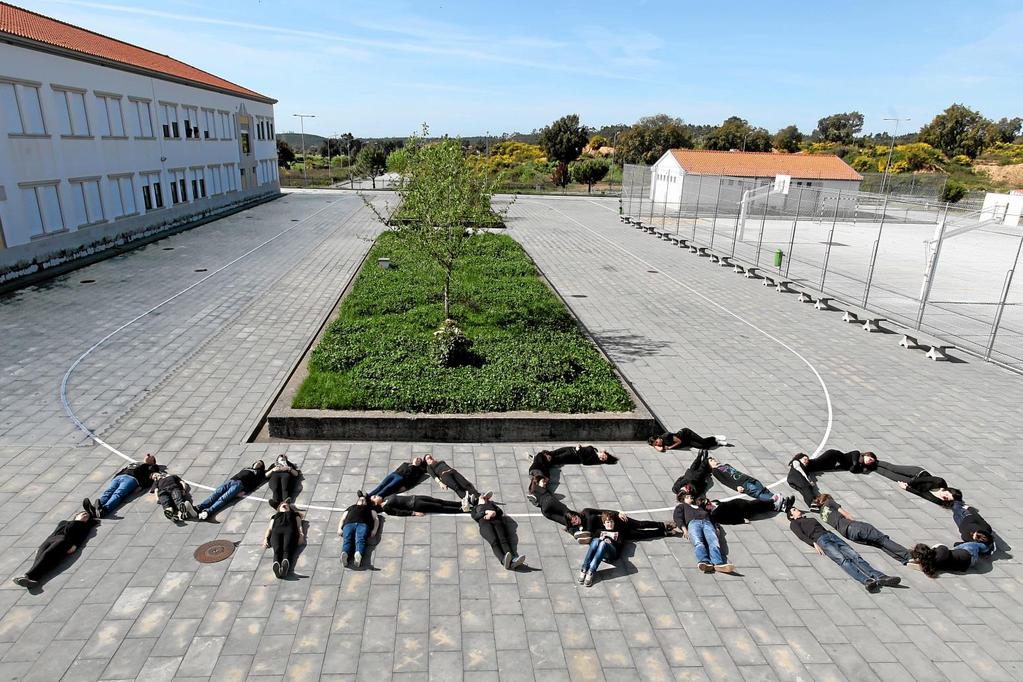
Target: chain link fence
x: 923, y: 264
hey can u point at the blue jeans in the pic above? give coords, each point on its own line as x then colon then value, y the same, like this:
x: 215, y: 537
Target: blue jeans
x: 354, y: 533
x: 845, y: 556
x: 598, y: 551
x: 705, y: 541
x: 758, y: 491
x: 959, y: 512
x: 119, y: 488
x: 219, y: 498
x: 392, y: 483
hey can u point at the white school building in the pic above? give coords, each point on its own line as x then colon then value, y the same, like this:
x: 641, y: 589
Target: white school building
x: 103, y: 143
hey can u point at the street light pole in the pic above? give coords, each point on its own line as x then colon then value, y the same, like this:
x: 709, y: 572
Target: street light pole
x: 305, y: 154
x: 891, y: 150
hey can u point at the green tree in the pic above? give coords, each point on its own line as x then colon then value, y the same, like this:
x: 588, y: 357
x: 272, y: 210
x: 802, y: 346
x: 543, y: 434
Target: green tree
x: 285, y: 154
x: 737, y: 133
x: 397, y: 160
x: 953, y: 191
x: 371, y: 161
x: 444, y: 201
x: 788, y: 139
x: 650, y: 137
x: 839, y: 127
x: 589, y: 171
x: 563, y: 141
x: 1006, y: 129
x: 598, y: 141
x: 958, y: 130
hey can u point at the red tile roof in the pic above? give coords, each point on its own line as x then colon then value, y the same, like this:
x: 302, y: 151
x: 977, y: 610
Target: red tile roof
x: 34, y: 27
x: 764, y: 164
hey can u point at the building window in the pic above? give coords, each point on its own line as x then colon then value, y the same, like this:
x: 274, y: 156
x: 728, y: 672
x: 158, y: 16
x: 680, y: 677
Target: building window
x: 191, y: 122
x: 42, y: 209
x: 179, y: 190
x: 74, y: 122
x: 152, y: 193
x: 141, y: 118
x: 122, y: 196
x: 88, y: 205
x: 111, y: 119
x: 169, y: 120
x: 22, y: 112
x: 245, y: 142
x: 209, y: 124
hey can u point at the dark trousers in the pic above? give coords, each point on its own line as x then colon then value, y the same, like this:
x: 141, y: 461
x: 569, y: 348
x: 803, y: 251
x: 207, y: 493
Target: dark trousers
x: 432, y: 505
x: 283, y: 542
x: 899, y: 473
x: 865, y: 533
x: 282, y: 486
x: 550, y: 506
x: 50, y: 554
x: 698, y: 474
x: 734, y: 512
x: 457, y: 483
x: 171, y: 498
x: 801, y: 482
x: 691, y: 439
x: 495, y: 532
x: 644, y: 530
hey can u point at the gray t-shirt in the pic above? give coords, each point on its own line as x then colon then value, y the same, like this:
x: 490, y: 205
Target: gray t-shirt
x: 831, y: 516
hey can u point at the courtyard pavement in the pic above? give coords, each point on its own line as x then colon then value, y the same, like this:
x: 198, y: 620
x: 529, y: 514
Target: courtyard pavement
x: 204, y: 328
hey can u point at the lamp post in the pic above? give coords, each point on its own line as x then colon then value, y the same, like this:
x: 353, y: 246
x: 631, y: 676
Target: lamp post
x: 305, y: 154
x: 891, y: 150
x: 614, y: 161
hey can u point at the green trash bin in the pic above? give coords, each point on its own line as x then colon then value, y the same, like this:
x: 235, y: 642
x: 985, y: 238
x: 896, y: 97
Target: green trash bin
x: 778, y: 255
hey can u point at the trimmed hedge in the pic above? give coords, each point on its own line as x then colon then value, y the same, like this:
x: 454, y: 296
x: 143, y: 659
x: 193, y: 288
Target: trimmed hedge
x: 530, y: 353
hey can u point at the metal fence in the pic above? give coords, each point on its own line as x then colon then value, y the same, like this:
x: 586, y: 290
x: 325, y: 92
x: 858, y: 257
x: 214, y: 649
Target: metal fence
x: 923, y: 264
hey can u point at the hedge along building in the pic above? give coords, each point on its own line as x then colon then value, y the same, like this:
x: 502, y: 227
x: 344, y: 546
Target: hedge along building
x: 103, y: 143
x: 684, y: 178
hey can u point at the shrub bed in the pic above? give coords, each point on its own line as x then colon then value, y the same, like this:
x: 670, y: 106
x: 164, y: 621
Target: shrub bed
x: 527, y: 352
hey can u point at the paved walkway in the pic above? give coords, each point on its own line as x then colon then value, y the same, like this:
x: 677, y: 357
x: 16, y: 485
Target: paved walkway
x: 704, y: 347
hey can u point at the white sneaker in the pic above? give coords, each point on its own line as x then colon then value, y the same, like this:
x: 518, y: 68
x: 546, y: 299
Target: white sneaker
x: 344, y: 558
x: 357, y: 561
x: 518, y: 561
x: 722, y: 440
x: 203, y: 515
x: 589, y: 579
x: 582, y: 577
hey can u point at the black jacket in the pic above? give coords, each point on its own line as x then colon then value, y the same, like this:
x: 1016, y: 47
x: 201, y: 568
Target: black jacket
x: 479, y: 510
x: 411, y: 474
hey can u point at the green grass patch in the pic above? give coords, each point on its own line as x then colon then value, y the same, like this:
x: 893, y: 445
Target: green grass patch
x: 377, y: 355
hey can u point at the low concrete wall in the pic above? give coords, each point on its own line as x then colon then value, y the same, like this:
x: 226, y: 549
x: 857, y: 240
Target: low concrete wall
x: 29, y: 263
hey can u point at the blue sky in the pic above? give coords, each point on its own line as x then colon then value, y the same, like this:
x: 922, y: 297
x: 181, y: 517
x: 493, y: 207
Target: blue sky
x: 383, y: 68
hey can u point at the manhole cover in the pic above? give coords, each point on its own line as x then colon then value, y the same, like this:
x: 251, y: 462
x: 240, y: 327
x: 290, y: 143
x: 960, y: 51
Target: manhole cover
x: 212, y: 552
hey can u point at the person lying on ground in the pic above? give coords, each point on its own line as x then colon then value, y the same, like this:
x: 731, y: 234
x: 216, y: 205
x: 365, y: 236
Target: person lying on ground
x: 283, y: 477
x: 415, y: 505
x: 540, y: 467
x: 833, y: 514
x: 284, y: 535
x: 241, y: 484
x: 358, y: 522
x: 586, y: 455
x: 495, y: 530
x: 921, y: 482
x: 940, y: 558
x: 739, y: 511
x: 66, y: 539
x: 732, y: 478
x: 126, y: 481
x: 692, y: 517
x: 172, y: 494
x: 685, y: 438
x: 608, y: 536
x: 978, y: 538
x: 581, y: 525
x: 696, y: 479
x: 450, y: 478
x: 854, y: 462
x: 551, y: 507
x: 810, y: 531
x: 407, y: 476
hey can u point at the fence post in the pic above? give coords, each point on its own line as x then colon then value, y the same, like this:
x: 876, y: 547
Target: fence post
x: 632, y: 187
x: 932, y: 265
x: 681, y: 198
x: 696, y: 211
x: 740, y: 216
x: 714, y: 225
x: 664, y: 210
x: 642, y: 193
x: 763, y: 222
x: 831, y: 235
x: 873, y: 254
x: 1001, y: 304
x: 792, y: 234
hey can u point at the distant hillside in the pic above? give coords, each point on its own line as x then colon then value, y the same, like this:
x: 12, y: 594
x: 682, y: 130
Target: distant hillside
x: 294, y: 140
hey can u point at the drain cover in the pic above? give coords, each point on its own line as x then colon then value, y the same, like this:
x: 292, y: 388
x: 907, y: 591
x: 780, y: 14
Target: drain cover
x: 212, y: 552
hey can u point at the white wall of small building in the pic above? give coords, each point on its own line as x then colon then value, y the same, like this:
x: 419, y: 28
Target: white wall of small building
x: 28, y: 161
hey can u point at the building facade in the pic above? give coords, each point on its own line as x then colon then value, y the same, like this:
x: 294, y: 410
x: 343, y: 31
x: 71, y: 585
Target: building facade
x: 103, y: 143
x: 686, y: 176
